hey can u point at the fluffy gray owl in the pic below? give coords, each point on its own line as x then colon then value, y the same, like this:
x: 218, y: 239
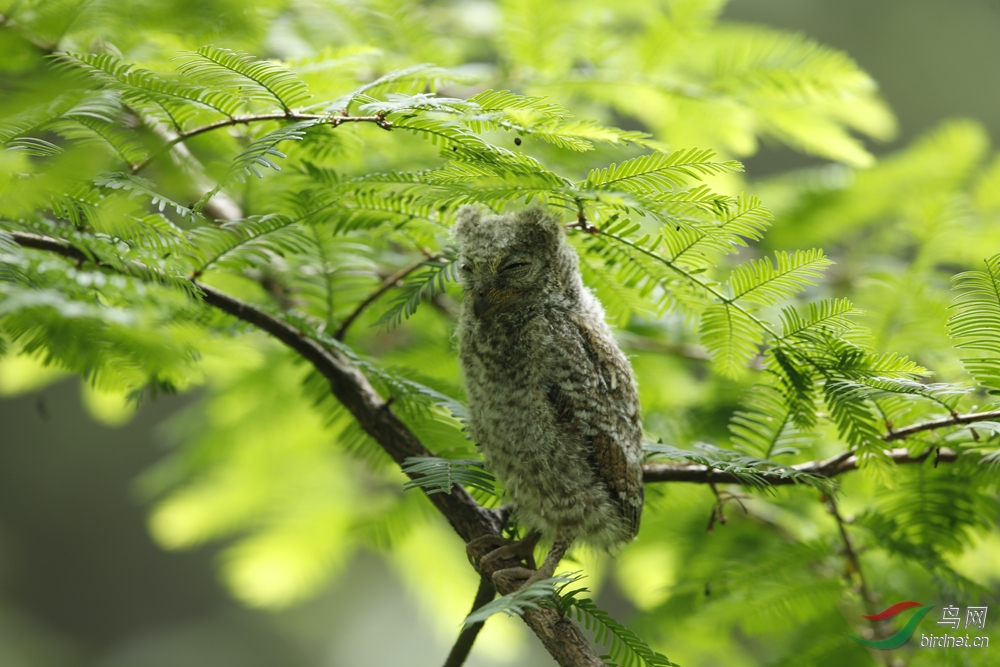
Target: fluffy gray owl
x: 552, y: 400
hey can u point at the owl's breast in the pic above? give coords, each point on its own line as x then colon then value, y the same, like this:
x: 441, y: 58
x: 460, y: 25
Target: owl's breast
x: 507, y: 380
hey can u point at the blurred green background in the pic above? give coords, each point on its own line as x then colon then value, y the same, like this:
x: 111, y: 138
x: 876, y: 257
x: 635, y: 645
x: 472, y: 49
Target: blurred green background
x: 81, y: 580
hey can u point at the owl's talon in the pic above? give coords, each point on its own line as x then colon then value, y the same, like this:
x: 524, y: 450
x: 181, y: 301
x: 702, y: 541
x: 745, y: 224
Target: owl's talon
x: 511, y: 579
x: 521, y: 550
x: 478, y: 548
x: 491, y: 552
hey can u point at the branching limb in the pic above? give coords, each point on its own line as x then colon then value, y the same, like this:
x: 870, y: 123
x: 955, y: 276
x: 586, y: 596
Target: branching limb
x: 221, y: 206
x: 854, y: 563
x: 466, y: 638
x: 831, y: 467
x: 855, y: 572
x: 954, y: 420
x: 291, y: 116
x: 348, y: 384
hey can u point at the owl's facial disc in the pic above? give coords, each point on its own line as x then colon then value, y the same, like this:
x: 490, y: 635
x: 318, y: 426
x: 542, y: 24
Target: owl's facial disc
x: 501, y: 285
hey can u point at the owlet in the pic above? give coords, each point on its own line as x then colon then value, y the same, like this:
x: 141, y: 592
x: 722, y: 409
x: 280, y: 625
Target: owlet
x: 552, y: 400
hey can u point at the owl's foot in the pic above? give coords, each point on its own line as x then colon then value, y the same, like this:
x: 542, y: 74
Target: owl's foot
x: 491, y: 552
x: 511, y: 579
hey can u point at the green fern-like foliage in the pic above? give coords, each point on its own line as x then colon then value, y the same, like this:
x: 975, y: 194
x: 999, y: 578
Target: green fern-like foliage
x: 532, y: 596
x: 625, y: 648
x: 974, y: 324
x: 437, y: 475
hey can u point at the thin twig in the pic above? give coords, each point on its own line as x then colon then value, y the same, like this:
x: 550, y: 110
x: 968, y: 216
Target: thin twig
x: 323, y: 119
x: 467, y: 637
x: 854, y: 568
x: 837, y: 465
x: 851, y: 555
x: 386, y: 285
x: 954, y: 420
x: 219, y: 207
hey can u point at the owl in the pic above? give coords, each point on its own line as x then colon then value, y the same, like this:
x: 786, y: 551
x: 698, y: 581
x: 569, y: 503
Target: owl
x: 553, y: 403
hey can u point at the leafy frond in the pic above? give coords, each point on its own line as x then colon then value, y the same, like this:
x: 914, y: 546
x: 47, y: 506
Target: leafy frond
x: 12, y: 262
x: 744, y: 220
x: 458, y: 143
x: 521, y: 600
x: 649, y: 174
x: 137, y: 186
x: 766, y: 283
x: 258, y: 154
x: 237, y: 244
x: 731, y: 335
x: 855, y: 362
x: 95, y: 121
x: 33, y: 146
x: 530, y: 108
x: 974, y: 326
x: 367, y: 208
x: 116, y: 348
x: 251, y: 78
x: 410, y: 80
x: 936, y: 509
x: 625, y: 648
x: 148, y: 233
x: 765, y: 423
x: 535, y: 116
x: 37, y: 117
x: 826, y: 318
x: 421, y: 285
x: 438, y: 475
x: 639, y: 265
x: 853, y: 413
x: 178, y: 100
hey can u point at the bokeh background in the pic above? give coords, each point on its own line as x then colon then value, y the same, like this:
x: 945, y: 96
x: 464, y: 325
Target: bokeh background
x: 81, y: 580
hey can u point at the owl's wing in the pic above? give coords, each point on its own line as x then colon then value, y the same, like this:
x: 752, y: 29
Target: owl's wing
x: 594, y: 394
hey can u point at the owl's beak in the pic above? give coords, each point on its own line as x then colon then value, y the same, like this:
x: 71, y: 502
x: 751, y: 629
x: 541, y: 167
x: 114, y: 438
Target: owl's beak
x: 482, y: 303
x: 487, y: 298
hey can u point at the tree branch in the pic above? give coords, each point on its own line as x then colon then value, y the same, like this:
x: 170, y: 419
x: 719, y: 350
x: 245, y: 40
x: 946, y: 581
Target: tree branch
x: 348, y: 384
x: 831, y: 467
x: 324, y: 119
x: 558, y: 634
x: 954, y: 420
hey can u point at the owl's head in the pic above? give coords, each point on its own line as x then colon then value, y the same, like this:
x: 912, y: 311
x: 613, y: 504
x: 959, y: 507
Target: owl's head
x: 510, y: 262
